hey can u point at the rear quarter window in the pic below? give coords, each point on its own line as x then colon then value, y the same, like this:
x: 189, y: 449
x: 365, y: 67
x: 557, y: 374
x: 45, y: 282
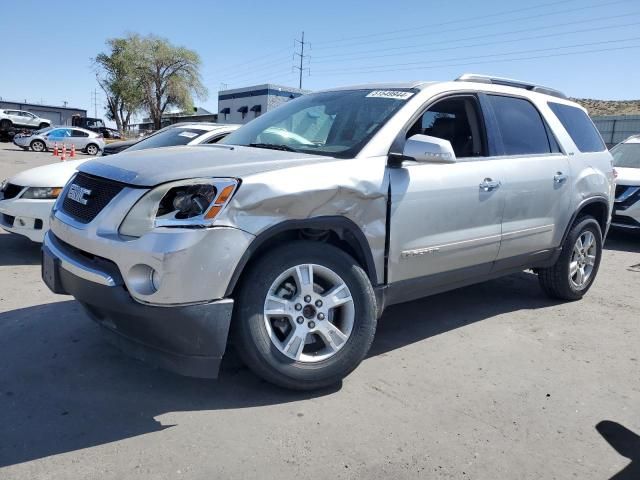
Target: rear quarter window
x: 579, y: 127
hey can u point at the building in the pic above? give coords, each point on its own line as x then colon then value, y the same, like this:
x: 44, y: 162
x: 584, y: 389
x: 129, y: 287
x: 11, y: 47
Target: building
x: 239, y: 105
x: 198, y: 115
x: 57, y: 115
x: 615, y: 128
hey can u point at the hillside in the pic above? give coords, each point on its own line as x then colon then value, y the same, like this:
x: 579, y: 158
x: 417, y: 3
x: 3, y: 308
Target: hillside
x: 609, y: 107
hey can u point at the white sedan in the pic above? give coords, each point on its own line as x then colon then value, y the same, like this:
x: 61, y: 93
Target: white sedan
x: 27, y: 198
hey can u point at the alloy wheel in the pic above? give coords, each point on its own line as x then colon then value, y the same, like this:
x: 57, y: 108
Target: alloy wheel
x: 583, y: 260
x: 309, y: 313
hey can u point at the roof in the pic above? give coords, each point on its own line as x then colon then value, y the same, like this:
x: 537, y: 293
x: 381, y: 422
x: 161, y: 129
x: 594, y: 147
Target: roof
x: 24, y: 105
x: 264, y: 86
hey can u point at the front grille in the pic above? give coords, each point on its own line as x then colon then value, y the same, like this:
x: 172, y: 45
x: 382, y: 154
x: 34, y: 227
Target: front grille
x: 626, y: 196
x: 102, y: 192
x: 10, y: 191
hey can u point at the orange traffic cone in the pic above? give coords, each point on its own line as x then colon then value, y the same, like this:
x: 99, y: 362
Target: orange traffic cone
x: 64, y: 152
x: 55, y: 149
x: 73, y: 150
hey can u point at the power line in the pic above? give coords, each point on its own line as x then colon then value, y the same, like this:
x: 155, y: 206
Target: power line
x: 462, y: 20
x: 433, y: 31
x: 493, y: 61
x: 517, y: 52
x: 560, y: 26
x: 302, y: 56
x: 475, y: 45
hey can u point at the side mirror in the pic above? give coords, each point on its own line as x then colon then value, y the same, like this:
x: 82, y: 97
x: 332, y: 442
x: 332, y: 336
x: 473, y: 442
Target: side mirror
x: 426, y: 149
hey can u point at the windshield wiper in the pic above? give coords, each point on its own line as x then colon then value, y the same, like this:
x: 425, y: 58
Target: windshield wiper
x: 273, y: 146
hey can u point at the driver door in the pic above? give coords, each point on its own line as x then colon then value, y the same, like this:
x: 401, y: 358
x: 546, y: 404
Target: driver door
x: 446, y: 217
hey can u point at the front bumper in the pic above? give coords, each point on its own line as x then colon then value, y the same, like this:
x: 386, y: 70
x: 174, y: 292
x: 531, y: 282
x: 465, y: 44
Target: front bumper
x: 189, y: 340
x: 26, y: 217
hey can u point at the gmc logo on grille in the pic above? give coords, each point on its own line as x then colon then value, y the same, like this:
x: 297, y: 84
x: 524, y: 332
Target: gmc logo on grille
x: 78, y: 194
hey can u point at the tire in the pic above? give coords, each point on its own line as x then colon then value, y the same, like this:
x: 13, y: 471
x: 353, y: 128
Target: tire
x: 43, y: 125
x: 563, y: 280
x: 5, y: 124
x: 261, y: 339
x: 92, y: 149
x: 38, y: 146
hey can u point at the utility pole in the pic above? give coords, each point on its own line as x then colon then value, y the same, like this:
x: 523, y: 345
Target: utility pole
x: 302, y: 56
x: 94, y: 94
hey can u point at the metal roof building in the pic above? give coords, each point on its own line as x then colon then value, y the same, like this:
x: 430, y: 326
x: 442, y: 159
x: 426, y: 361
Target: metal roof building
x: 56, y: 114
x: 615, y: 128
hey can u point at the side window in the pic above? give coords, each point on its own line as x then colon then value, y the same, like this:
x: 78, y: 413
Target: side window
x: 78, y: 133
x: 579, y: 127
x: 457, y: 120
x: 521, y: 126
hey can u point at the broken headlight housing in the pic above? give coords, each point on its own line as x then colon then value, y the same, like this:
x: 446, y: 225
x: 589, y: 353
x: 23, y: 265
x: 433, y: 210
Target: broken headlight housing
x: 183, y: 204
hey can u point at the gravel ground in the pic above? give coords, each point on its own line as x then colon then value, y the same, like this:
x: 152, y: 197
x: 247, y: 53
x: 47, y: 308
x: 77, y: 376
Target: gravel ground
x: 492, y: 381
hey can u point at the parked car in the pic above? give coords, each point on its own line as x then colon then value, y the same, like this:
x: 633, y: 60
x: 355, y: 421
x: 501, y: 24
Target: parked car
x: 398, y: 191
x: 185, y: 133
x: 22, y: 119
x: 42, y: 140
x: 27, y: 198
x: 626, y: 160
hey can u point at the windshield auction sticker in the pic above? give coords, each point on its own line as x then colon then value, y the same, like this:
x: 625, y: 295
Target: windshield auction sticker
x: 394, y: 94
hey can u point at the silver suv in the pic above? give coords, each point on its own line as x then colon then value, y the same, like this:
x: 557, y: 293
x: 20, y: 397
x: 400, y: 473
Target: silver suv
x: 292, y: 236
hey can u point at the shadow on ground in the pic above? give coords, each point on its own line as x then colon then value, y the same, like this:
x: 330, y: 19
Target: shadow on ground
x: 62, y: 388
x: 18, y: 250
x: 623, y: 241
x: 626, y: 443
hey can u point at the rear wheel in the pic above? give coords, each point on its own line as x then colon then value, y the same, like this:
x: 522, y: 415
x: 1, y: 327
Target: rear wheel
x: 38, y: 146
x: 305, y: 316
x: 576, y: 268
x: 5, y: 124
x: 92, y: 149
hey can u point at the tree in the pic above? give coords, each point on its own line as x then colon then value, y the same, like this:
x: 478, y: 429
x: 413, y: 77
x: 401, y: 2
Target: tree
x: 118, y: 78
x: 169, y: 75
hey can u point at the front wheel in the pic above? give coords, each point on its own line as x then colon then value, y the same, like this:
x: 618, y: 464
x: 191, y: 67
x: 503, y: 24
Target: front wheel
x: 575, y: 270
x: 38, y: 146
x: 43, y: 125
x: 305, y: 316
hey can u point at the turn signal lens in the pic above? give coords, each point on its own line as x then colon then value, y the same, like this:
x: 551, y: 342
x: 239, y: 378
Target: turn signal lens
x: 223, y: 197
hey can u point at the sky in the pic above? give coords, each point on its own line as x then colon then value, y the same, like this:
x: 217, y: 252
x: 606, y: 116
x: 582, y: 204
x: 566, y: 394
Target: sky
x: 586, y: 48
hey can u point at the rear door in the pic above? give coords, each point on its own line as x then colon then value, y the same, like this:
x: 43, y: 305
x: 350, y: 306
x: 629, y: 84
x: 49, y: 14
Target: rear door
x: 79, y: 138
x: 536, y: 178
x: 446, y: 218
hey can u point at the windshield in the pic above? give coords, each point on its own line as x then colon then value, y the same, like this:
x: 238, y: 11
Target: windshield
x: 41, y: 131
x: 168, y: 138
x: 336, y: 124
x: 626, y: 155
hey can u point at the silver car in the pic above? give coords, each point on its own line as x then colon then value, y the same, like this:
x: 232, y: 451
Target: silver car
x: 90, y: 142
x: 296, y: 243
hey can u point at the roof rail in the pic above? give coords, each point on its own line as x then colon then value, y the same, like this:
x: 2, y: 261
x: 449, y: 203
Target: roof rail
x: 508, y: 82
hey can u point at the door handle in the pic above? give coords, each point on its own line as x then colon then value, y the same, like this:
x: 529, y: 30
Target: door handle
x: 489, y: 185
x: 560, y: 177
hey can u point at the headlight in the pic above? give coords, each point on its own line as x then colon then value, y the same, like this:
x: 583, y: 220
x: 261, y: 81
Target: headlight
x: 185, y: 203
x: 42, y: 193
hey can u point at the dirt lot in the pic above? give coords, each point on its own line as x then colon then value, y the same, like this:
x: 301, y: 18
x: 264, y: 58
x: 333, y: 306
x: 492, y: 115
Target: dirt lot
x: 492, y: 381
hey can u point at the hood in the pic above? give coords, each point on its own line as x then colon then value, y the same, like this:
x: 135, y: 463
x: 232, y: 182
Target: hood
x: 628, y: 176
x: 54, y: 175
x: 159, y: 165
